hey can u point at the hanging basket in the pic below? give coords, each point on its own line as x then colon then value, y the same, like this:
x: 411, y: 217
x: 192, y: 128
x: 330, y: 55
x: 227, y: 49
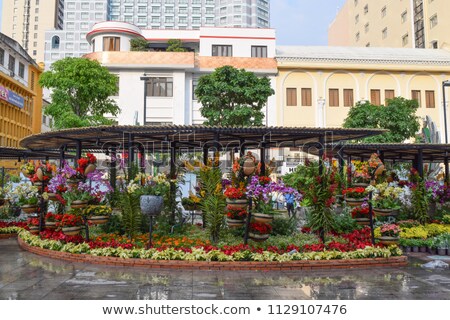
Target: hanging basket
x: 71, y: 231
x: 29, y: 208
x: 387, y: 241
x: 151, y: 205
x: 351, y: 202
x: 237, y: 204
x: 50, y: 224
x: 262, y: 217
x: 235, y: 223
x: 52, y: 196
x: 34, y: 229
x: 362, y: 221
x: 249, y: 166
x: 90, y: 168
x: 79, y: 204
x: 385, y: 212
x: 96, y: 220
x: 258, y: 237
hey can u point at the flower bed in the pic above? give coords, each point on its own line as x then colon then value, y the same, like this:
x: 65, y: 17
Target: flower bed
x: 209, y: 253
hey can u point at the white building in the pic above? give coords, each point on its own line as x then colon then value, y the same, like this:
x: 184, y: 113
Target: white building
x: 171, y: 77
x: 191, y: 14
x: 79, y: 18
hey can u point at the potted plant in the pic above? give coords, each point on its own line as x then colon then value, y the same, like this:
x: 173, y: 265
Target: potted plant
x: 70, y: 224
x: 28, y: 169
x: 86, y: 164
x: 259, y: 231
x: 361, y: 215
x: 385, y: 199
x: 389, y: 234
x: 33, y: 225
x: 236, y: 217
x: 360, y: 174
x: 4, y: 194
x: 27, y: 197
x: 97, y: 214
x: 50, y: 220
x: 190, y: 203
x: 77, y: 198
x: 354, y: 197
x: 236, y: 198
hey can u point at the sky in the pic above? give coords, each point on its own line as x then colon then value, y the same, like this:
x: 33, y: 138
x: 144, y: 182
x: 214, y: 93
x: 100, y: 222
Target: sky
x: 299, y: 22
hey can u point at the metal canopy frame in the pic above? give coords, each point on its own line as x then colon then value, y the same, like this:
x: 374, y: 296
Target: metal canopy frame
x: 7, y: 153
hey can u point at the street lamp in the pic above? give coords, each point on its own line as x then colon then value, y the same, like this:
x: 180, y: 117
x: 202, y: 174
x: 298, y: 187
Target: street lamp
x: 445, y: 84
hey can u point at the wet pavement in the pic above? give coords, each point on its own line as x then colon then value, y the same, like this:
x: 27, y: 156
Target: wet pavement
x: 24, y: 275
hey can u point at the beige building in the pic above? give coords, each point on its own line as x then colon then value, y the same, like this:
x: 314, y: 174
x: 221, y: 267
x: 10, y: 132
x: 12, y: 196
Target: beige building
x: 316, y: 86
x: 27, y: 20
x: 392, y: 23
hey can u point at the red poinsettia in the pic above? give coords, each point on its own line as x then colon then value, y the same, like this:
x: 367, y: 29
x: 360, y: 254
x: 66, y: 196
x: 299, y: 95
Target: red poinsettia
x: 355, y: 193
x: 234, y: 193
x: 359, y: 212
x: 236, y: 213
x: 70, y: 220
x: 85, y: 161
x: 260, y: 228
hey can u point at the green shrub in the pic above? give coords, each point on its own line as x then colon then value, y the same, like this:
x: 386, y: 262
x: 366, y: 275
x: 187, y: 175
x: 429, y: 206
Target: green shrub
x: 284, y: 226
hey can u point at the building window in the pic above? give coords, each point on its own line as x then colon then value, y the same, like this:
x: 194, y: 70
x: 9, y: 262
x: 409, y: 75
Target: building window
x: 366, y: 9
x: 12, y: 64
x: 259, y: 51
x: 21, y: 70
x: 222, y: 51
x: 291, y: 97
x: 111, y: 44
x: 405, y: 40
x: 383, y: 12
x: 404, y: 16
x: 194, y: 87
x: 334, y: 97
x: 2, y: 56
x: 160, y: 87
x: 348, y: 98
x: 415, y: 95
x: 388, y: 95
x: 434, y: 44
x: 55, y: 42
x: 375, y: 98
x: 433, y: 21
x: 306, y: 97
x: 429, y: 95
x: 384, y: 33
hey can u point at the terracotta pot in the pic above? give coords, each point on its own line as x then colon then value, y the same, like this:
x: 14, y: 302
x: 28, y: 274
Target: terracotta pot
x: 79, y: 204
x: 34, y: 229
x: 263, y: 218
x: 237, y: 204
x: 351, y: 202
x: 29, y: 208
x: 52, y: 196
x: 73, y: 183
x: 235, y: 223
x: 90, y: 168
x: 385, y: 212
x: 249, y: 166
x: 50, y: 224
x: 363, y: 221
x: 38, y: 184
x: 98, y: 219
x: 71, y: 231
x: 258, y: 237
x: 388, y: 240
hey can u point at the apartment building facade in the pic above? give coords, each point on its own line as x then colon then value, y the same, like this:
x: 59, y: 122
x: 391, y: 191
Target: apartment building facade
x: 27, y: 20
x: 20, y: 94
x: 157, y: 88
x: 392, y: 23
x: 191, y: 14
x: 70, y: 41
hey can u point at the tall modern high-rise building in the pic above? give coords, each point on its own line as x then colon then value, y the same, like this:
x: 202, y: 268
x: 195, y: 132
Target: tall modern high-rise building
x: 70, y: 41
x: 392, y: 23
x: 191, y: 14
x: 27, y: 20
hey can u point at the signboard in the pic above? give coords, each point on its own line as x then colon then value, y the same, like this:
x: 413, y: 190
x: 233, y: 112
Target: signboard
x: 11, y: 97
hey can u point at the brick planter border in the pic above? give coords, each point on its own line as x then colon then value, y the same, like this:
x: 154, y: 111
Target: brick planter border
x: 8, y: 235
x: 214, y: 265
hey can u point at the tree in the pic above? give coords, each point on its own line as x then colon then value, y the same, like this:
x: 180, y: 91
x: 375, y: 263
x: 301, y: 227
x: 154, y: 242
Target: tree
x: 233, y: 97
x: 80, y: 93
x: 138, y: 44
x: 175, y: 45
x: 399, y: 117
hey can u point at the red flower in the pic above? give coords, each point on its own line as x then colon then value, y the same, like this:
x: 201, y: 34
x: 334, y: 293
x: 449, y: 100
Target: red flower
x: 260, y: 228
x: 234, y: 193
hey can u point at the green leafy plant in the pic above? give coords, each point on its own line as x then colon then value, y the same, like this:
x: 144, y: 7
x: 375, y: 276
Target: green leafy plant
x: 175, y: 45
x: 81, y: 90
x: 213, y: 204
x: 233, y: 97
x: 131, y: 212
x: 284, y: 226
x: 302, y: 178
x: 420, y: 201
x: 398, y: 116
x: 138, y: 44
